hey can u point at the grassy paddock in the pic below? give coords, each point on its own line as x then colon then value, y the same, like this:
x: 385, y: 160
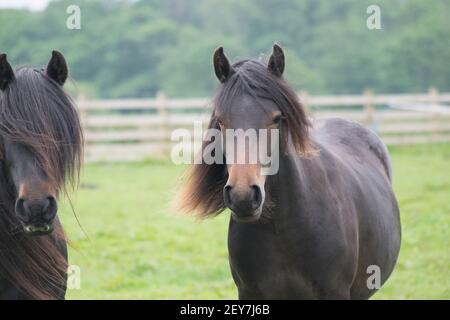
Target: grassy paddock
x: 138, y: 248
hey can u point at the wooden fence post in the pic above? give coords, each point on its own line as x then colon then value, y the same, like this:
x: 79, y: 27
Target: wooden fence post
x: 304, y: 99
x: 161, y: 97
x: 434, y: 100
x: 369, y: 110
x: 81, y: 102
x: 433, y: 95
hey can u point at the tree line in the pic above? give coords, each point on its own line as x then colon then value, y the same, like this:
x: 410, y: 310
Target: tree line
x: 137, y: 48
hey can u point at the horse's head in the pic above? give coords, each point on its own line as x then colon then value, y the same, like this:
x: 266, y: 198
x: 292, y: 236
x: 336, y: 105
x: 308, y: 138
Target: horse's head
x: 255, y: 101
x: 40, y: 140
x: 252, y: 102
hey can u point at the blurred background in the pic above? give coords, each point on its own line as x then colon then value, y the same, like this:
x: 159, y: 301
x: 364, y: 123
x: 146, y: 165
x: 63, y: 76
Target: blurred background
x: 137, y: 48
x: 143, y: 68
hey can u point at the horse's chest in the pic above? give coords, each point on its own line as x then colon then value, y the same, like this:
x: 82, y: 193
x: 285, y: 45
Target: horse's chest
x: 263, y: 268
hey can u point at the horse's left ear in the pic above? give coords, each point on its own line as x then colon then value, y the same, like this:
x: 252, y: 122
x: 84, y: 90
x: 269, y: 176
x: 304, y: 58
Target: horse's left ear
x: 276, y: 61
x: 6, y: 72
x: 57, y: 68
x: 222, y: 67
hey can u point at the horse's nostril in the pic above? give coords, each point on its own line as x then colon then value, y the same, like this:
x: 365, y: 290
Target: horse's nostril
x: 20, y: 202
x: 256, y: 196
x: 21, y: 210
x: 227, y: 195
x: 51, y: 208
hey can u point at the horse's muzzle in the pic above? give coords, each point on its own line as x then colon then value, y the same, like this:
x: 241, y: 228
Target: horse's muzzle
x: 37, y: 215
x: 245, y: 203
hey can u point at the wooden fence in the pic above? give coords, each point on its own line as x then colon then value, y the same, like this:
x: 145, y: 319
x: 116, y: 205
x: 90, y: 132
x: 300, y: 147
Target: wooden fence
x: 137, y: 129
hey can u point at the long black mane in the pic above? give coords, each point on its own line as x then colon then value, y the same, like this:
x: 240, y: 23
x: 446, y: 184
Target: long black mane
x: 37, y: 113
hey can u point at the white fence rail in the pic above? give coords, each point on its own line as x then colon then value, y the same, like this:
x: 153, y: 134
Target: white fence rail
x: 137, y: 129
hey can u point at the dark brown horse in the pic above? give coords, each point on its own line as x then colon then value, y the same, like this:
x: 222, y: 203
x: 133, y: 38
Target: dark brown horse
x: 314, y: 229
x: 40, y: 151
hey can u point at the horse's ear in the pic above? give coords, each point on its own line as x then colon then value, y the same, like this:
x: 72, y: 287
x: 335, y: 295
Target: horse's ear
x: 276, y: 61
x: 57, y: 68
x: 6, y: 72
x: 222, y: 67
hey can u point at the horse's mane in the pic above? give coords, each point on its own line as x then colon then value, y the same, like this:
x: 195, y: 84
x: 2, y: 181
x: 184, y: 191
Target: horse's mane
x: 202, y: 192
x: 37, y: 113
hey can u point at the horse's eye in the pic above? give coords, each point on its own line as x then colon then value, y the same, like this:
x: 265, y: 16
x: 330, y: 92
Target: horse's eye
x: 277, y: 119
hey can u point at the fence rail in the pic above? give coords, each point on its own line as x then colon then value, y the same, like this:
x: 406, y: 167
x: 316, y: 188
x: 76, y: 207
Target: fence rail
x: 136, y: 129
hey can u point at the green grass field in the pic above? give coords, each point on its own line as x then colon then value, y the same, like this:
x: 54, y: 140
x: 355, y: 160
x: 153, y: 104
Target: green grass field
x: 139, y: 249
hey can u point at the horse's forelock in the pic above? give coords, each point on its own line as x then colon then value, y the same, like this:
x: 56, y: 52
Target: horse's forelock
x: 36, y: 112
x: 252, y: 77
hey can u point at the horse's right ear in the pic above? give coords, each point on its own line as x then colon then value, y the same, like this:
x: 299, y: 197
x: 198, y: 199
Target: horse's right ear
x: 276, y: 61
x: 6, y: 72
x: 222, y: 67
x: 57, y: 67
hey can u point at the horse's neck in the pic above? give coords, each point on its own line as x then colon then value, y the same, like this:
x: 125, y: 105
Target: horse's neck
x: 289, y: 187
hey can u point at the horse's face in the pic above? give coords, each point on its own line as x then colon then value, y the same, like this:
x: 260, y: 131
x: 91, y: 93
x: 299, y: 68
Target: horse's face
x: 255, y: 117
x: 35, y: 196
x: 40, y: 140
x: 252, y: 126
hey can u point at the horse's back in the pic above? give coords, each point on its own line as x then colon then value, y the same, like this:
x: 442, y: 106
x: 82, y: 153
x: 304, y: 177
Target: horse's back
x: 349, y: 139
x: 365, y: 163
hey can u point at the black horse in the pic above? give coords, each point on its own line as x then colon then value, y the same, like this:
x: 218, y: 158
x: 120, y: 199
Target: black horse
x: 312, y: 230
x: 40, y: 151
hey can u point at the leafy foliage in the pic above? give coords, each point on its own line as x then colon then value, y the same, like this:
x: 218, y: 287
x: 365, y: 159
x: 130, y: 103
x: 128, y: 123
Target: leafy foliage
x: 137, y: 48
